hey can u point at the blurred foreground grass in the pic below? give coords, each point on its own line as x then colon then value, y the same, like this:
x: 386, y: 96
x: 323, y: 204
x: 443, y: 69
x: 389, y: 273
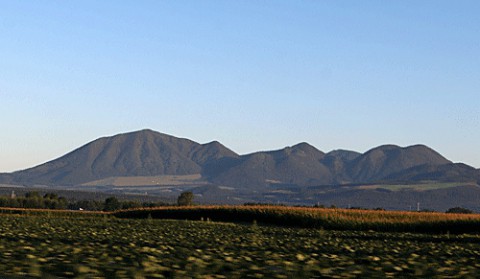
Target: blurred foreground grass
x: 41, y: 246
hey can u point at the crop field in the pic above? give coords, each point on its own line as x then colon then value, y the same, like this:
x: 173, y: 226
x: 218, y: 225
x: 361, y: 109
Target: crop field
x: 320, y: 218
x: 417, y: 187
x: 102, y: 246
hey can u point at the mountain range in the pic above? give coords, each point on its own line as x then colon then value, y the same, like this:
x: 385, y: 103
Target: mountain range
x: 159, y: 159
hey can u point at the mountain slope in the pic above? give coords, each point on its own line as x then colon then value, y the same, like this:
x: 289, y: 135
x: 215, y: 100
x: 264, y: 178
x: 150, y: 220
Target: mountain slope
x: 453, y: 172
x: 298, y: 165
x: 147, y: 153
x: 142, y: 153
x: 337, y: 162
x: 378, y: 163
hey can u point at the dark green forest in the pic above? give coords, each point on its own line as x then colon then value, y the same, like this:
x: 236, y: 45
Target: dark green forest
x: 54, y: 201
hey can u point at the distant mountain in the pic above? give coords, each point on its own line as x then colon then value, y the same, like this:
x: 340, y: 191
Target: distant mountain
x: 343, y: 155
x: 384, y: 161
x: 142, y: 153
x: 297, y: 165
x: 338, y: 162
x: 457, y: 172
x: 167, y: 159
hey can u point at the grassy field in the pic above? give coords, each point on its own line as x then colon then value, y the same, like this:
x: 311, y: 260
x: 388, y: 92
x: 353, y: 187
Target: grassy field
x: 161, y: 180
x: 416, y: 187
x: 237, y: 242
x: 285, y: 216
x: 102, y: 246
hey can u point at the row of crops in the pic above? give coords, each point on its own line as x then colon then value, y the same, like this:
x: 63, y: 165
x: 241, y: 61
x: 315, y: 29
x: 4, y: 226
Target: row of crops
x: 303, y: 217
x: 331, y: 219
x: 42, y: 246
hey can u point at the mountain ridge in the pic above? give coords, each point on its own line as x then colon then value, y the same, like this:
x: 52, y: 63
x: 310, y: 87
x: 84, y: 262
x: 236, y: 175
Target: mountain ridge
x: 146, y: 153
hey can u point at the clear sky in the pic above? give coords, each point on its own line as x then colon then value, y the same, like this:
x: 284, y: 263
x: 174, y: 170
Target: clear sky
x: 254, y: 75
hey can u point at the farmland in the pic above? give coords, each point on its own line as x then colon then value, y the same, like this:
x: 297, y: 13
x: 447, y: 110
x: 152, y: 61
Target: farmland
x: 416, y: 187
x: 51, y: 244
x: 319, y: 218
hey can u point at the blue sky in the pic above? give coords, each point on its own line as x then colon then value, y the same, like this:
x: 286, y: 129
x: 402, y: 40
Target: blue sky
x: 254, y: 75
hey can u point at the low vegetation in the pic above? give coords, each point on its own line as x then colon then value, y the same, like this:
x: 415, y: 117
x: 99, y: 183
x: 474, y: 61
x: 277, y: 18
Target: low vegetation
x: 417, y: 187
x: 303, y: 243
x: 325, y: 218
x: 460, y: 210
x: 458, y: 220
x: 101, y: 246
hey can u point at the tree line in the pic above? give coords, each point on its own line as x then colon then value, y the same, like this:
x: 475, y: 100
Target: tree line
x: 54, y: 201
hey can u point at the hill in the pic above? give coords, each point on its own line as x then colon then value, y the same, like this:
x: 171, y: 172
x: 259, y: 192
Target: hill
x: 150, y: 162
x: 305, y: 165
x: 385, y: 161
x: 297, y: 165
x: 142, y: 153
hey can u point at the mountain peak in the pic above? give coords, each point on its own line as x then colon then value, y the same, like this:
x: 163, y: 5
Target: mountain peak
x: 145, y: 153
x: 384, y: 148
x: 302, y: 149
x: 385, y: 160
x: 305, y: 147
x: 138, y: 132
x: 139, y: 153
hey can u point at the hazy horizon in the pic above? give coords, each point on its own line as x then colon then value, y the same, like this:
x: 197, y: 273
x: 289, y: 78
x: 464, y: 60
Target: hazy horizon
x: 251, y: 75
